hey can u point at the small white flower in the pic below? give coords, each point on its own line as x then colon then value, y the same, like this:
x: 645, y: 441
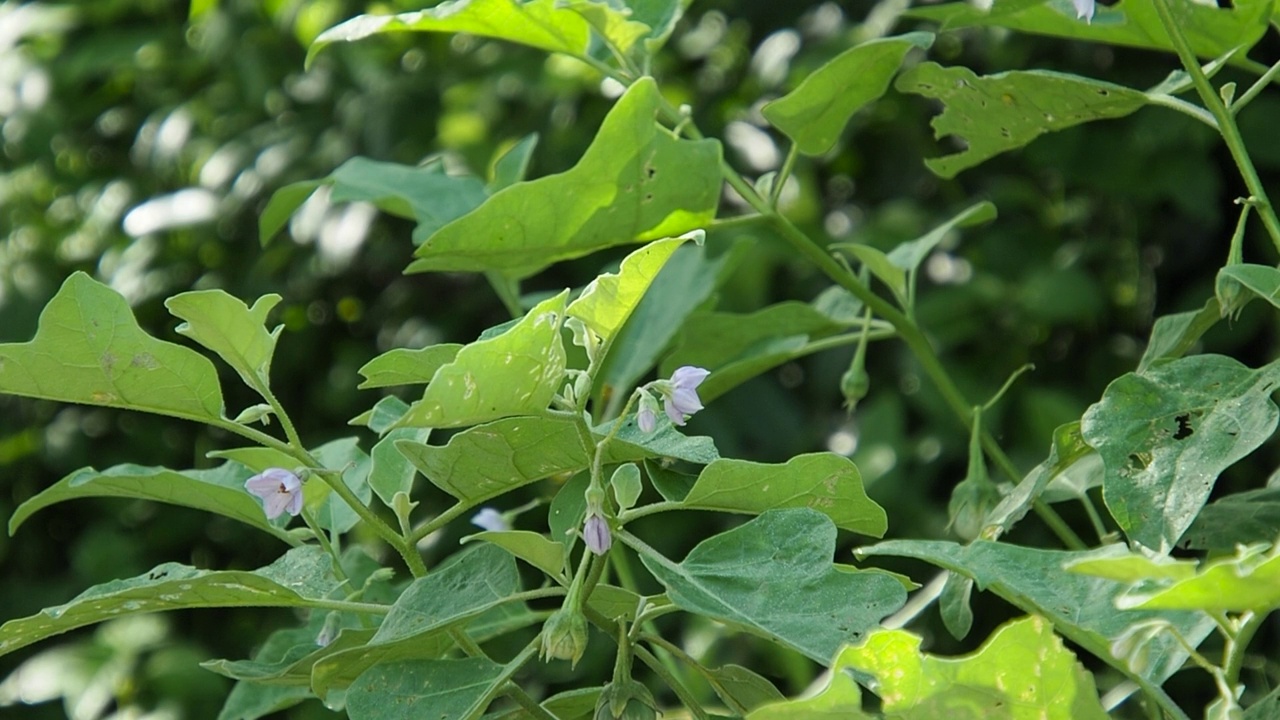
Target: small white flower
x: 1084, y: 10
x: 279, y: 489
x: 490, y: 519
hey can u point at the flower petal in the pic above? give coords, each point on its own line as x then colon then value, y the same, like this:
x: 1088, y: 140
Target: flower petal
x: 686, y: 400
x: 596, y: 534
x: 672, y: 411
x: 688, y: 377
x: 646, y: 419
x: 490, y: 519
x: 1084, y: 10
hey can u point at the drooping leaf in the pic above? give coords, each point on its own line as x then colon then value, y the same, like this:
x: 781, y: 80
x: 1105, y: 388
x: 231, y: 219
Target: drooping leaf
x: 826, y: 482
x: 288, y: 659
x: 1173, y: 336
x: 488, y: 460
x: 1081, y: 608
x: 998, y: 113
x: 220, y: 490
x: 89, y: 349
x: 515, y: 373
x: 231, y: 329
x: 414, y: 689
x: 1210, y: 31
x: 1238, y: 519
x: 407, y: 367
x: 1166, y: 434
x: 814, y: 114
x: 607, y: 302
x: 424, y: 193
x: 635, y: 182
x: 773, y: 577
x: 1068, y: 447
x: 302, y: 573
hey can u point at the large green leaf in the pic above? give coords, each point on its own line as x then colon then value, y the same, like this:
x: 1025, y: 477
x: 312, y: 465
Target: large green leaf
x: 1081, y: 608
x: 631, y: 444
x: 1135, y: 23
x: 544, y: 24
x: 416, y: 689
x: 712, y: 339
x: 424, y: 193
x: 302, y: 573
x: 1249, y: 581
x: 814, y: 114
x: 1022, y: 672
x: 1238, y: 519
x: 234, y: 331
x: 1166, y: 434
x: 773, y: 577
x: 220, y: 490
x: 546, y: 555
x: 825, y: 482
x: 89, y: 349
x: 997, y: 113
x: 609, y: 300
x: 636, y: 182
x: 515, y: 373
x: 488, y: 460
x: 407, y: 367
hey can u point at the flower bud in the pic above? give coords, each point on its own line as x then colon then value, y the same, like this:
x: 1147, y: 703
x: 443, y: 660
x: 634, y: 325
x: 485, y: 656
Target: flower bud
x: 564, y: 636
x: 626, y: 700
x: 595, y: 532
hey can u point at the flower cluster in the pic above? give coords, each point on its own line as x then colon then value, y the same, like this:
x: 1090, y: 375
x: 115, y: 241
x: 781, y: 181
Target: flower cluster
x: 679, y: 397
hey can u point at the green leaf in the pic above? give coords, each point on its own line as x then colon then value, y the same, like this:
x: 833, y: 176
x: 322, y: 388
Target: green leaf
x: 383, y: 415
x: 1173, y: 336
x: 577, y: 704
x: 302, y: 573
x: 250, y: 701
x: 998, y: 113
x: 407, y: 367
x: 568, y: 511
x: 954, y: 607
x: 740, y: 688
x: 879, y: 264
x: 626, y: 485
x: 89, y: 349
x: 535, y: 549
x: 234, y: 331
x: 814, y: 114
x: 1261, y: 280
x: 1068, y: 448
x: 825, y: 482
x: 1210, y: 31
x: 1081, y: 608
x: 635, y: 183
x: 1238, y: 519
x: 472, y: 583
x: 424, y: 193
x: 1022, y: 672
x: 220, y: 490
x: 512, y: 166
x: 683, y: 285
x: 631, y: 444
x: 543, y: 24
x: 773, y: 577
x: 909, y: 255
x: 1166, y: 434
x: 515, y: 373
x: 345, y: 455
x: 287, y: 656
x: 609, y: 300
x: 1248, y: 581
x: 841, y: 699
x: 488, y: 460
x: 411, y: 690
x: 390, y: 471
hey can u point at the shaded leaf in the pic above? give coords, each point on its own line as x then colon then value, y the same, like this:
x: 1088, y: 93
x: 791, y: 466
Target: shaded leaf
x: 1174, y: 335
x: 825, y: 482
x: 773, y: 577
x: 414, y: 689
x: 635, y: 182
x: 89, y: 349
x: 1238, y: 519
x: 1166, y: 434
x: 390, y: 471
x: 740, y: 687
x: 998, y: 113
x: 814, y: 114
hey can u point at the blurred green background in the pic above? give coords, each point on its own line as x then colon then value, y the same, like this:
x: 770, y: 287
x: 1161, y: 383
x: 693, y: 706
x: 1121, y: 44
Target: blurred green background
x: 141, y: 147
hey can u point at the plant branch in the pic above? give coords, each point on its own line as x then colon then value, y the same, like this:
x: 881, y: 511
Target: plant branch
x: 333, y: 478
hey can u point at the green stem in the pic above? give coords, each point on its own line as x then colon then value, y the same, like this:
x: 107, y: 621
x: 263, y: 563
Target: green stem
x: 690, y: 702
x: 627, y: 516
x: 524, y: 700
x: 1235, y: 649
x: 503, y: 681
x: 333, y: 478
x: 1094, y: 518
x: 325, y: 545
x: 346, y: 606
x: 1255, y: 88
x: 508, y: 292
x: 677, y: 652
x: 1175, y: 103
x: 780, y: 179
x: 1226, y: 121
x: 466, y: 643
x: 289, y: 430
x: 437, y: 522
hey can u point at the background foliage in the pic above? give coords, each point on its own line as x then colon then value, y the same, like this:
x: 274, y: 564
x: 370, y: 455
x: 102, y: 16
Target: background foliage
x: 142, y: 147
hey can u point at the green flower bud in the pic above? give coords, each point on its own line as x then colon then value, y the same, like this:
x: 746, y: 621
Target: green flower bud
x: 627, y: 700
x: 854, y: 385
x: 564, y: 636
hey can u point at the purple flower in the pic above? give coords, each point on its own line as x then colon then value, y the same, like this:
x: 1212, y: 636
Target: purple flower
x: 680, y: 397
x: 1084, y: 10
x: 490, y: 519
x: 596, y: 534
x: 279, y: 489
x: 647, y: 417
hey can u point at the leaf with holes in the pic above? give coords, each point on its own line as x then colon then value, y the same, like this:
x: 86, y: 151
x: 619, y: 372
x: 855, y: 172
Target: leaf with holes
x: 636, y: 182
x: 89, y: 349
x: 825, y: 482
x: 814, y: 114
x: 773, y: 577
x: 998, y: 113
x: 1166, y: 434
x: 407, y: 367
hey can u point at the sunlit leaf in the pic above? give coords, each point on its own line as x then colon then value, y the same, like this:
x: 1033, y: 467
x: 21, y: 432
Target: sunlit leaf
x: 407, y: 367
x: 513, y: 164
x: 1247, y: 581
x: 773, y: 577
x: 825, y: 482
x: 1082, y: 608
x: 814, y: 114
x: 636, y: 182
x: 302, y: 573
x: 515, y: 373
x: 1166, y: 434
x: 998, y: 113
x: 220, y: 490
x: 489, y: 460
x: 535, y: 549
x: 231, y: 329
x: 607, y: 302
x: 89, y: 349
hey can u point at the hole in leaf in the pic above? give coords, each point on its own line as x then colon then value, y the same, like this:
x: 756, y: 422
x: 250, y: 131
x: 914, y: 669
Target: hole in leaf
x: 1184, y: 427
